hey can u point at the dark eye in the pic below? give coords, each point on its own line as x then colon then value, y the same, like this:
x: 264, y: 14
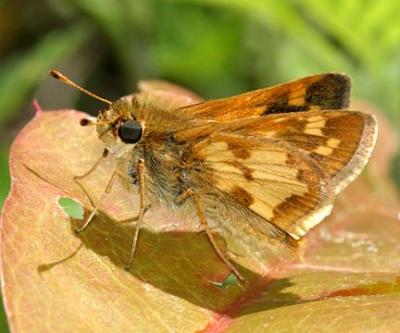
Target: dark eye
x: 130, y: 131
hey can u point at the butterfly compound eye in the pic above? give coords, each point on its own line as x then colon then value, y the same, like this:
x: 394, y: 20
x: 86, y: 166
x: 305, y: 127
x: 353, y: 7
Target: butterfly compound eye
x: 130, y: 131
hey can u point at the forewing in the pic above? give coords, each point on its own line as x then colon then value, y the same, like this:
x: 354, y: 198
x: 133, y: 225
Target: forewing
x: 317, y: 92
x: 278, y: 183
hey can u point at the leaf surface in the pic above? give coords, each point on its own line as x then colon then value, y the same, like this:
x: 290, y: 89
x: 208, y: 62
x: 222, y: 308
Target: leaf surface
x: 347, y: 277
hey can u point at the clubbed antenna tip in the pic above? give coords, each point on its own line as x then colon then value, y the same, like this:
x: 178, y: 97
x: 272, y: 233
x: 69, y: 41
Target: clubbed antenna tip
x: 59, y: 76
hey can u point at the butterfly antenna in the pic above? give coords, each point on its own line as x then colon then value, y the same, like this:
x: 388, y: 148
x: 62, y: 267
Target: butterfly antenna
x: 59, y: 76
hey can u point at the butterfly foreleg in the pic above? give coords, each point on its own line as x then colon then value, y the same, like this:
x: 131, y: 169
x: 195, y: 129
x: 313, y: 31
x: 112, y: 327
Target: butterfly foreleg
x: 97, y: 206
x: 87, y: 173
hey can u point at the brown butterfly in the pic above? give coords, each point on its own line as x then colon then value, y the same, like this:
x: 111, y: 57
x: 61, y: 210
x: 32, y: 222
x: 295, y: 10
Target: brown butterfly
x: 264, y: 166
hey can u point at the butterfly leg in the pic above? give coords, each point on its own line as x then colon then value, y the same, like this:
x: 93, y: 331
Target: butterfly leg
x: 143, y: 208
x: 134, y: 218
x: 97, y: 206
x: 87, y: 173
x: 214, y: 244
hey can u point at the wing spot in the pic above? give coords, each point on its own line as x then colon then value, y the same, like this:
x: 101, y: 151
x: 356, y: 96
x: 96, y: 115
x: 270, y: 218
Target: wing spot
x: 315, y: 127
x: 316, y: 124
x: 242, y: 196
x: 297, y: 97
x: 246, y: 171
x: 323, y: 150
x: 333, y: 143
x: 314, y: 131
x: 238, y: 150
x: 315, y: 118
x: 269, y: 134
x: 282, y: 104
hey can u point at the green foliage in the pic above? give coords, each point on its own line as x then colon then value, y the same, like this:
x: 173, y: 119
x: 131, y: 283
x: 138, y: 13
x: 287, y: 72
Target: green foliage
x: 20, y: 74
x: 218, y: 47
x: 358, y: 37
x: 4, y: 175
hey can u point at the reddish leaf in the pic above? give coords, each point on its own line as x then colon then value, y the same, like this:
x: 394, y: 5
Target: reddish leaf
x: 59, y: 281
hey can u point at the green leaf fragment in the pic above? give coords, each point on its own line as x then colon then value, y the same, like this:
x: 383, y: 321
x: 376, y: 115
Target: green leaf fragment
x: 73, y: 208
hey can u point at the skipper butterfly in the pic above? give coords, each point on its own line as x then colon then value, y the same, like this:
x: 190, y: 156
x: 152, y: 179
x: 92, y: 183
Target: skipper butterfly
x: 264, y: 163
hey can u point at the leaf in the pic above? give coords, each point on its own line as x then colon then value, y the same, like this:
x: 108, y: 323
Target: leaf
x: 347, y: 278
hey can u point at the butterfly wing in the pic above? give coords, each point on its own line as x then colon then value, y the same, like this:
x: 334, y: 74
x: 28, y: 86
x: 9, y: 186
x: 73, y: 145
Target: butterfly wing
x: 283, y: 186
x: 283, y: 152
x: 286, y: 168
x: 317, y: 92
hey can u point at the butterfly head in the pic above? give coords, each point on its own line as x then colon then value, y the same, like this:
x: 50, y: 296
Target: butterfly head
x: 118, y: 126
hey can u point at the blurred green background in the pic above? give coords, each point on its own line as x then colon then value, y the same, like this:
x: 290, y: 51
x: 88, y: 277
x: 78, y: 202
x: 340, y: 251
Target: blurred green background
x: 214, y: 47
